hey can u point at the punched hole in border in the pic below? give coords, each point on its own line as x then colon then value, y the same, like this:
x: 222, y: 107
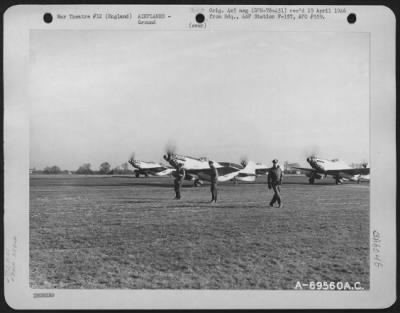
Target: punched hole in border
x: 351, y: 18
x: 200, y: 18
x: 48, y: 18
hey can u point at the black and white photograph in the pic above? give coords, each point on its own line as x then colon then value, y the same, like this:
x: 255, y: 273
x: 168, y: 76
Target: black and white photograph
x: 199, y: 158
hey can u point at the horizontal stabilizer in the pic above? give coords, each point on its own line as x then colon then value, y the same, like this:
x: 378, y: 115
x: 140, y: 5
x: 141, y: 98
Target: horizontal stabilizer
x: 248, y: 173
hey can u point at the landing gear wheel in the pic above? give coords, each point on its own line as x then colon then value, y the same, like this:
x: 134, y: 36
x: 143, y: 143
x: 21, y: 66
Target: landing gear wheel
x: 137, y: 175
x: 311, y: 180
x: 197, y: 183
x: 337, y: 180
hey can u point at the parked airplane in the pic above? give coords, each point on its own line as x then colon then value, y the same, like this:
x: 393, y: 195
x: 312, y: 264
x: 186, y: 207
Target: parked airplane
x: 198, y: 169
x: 320, y: 168
x: 365, y: 177
x: 246, y: 171
x: 260, y: 168
x: 149, y: 168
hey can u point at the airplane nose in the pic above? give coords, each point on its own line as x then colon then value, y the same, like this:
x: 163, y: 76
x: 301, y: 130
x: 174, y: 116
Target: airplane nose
x: 133, y: 162
x: 311, y: 160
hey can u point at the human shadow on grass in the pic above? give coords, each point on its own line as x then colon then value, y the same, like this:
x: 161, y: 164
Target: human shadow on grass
x: 184, y: 203
x: 323, y: 184
x: 141, y: 201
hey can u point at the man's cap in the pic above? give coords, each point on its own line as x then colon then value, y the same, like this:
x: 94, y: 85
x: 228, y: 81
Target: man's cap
x: 274, y: 161
x: 210, y: 162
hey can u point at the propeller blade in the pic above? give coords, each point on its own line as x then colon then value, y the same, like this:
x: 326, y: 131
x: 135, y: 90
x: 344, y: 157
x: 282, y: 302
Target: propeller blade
x: 312, y: 152
x: 244, y: 160
x: 170, y: 148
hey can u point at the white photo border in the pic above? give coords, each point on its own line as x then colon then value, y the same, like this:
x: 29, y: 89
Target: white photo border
x: 378, y: 21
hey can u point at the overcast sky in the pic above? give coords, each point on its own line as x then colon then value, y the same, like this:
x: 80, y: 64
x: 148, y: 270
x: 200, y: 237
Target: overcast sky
x: 100, y: 95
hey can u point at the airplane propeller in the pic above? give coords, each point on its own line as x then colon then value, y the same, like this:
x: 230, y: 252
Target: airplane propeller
x: 244, y: 160
x: 312, y: 152
x: 132, y: 156
x: 131, y: 159
x: 170, y: 148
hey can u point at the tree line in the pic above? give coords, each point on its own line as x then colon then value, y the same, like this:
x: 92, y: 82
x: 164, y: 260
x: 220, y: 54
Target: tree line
x: 86, y: 169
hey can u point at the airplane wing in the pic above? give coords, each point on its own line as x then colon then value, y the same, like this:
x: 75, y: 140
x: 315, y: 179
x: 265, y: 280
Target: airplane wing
x: 161, y: 169
x: 262, y: 171
x: 308, y: 169
x: 207, y: 171
x: 121, y: 176
x: 151, y: 170
x: 157, y: 171
x: 230, y: 164
x: 350, y: 171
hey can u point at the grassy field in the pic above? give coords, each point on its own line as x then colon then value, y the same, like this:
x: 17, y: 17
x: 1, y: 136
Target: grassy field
x: 113, y: 232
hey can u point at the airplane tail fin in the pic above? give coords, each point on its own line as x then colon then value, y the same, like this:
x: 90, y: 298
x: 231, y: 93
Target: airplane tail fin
x: 248, y: 173
x: 250, y: 167
x: 365, y: 177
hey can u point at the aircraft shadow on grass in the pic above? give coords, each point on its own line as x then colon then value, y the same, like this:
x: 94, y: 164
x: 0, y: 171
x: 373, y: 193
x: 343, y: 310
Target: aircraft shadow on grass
x: 162, y: 185
x: 187, y: 186
x: 170, y: 184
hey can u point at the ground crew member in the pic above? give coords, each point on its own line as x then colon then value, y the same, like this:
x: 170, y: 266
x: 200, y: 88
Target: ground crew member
x: 214, y: 180
x: 179, y: 176
x: 274, y: 182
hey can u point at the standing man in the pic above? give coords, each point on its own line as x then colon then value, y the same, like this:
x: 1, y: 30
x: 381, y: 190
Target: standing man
x: 274, y: 182
x: 179, y: 176
x: 214, y: 180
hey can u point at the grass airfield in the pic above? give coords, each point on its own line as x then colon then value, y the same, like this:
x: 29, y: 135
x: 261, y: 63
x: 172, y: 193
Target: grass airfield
x: 95, y: 232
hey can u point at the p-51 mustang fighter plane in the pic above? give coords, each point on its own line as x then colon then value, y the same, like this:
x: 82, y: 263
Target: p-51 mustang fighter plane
x: 149, y: 168
x: 320, y: 168
x: 198, y: 169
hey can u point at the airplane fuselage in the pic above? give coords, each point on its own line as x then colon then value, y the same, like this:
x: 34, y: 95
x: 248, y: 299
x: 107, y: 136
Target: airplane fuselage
x: 198, y: 169
x: 323, y: 165
x: 149, y: 168
x: 339, y: 169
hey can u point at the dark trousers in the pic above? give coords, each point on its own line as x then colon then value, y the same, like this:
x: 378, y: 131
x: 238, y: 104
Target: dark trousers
x: 214, y: 191
x: 178, y: 187
x: 277, y: 194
